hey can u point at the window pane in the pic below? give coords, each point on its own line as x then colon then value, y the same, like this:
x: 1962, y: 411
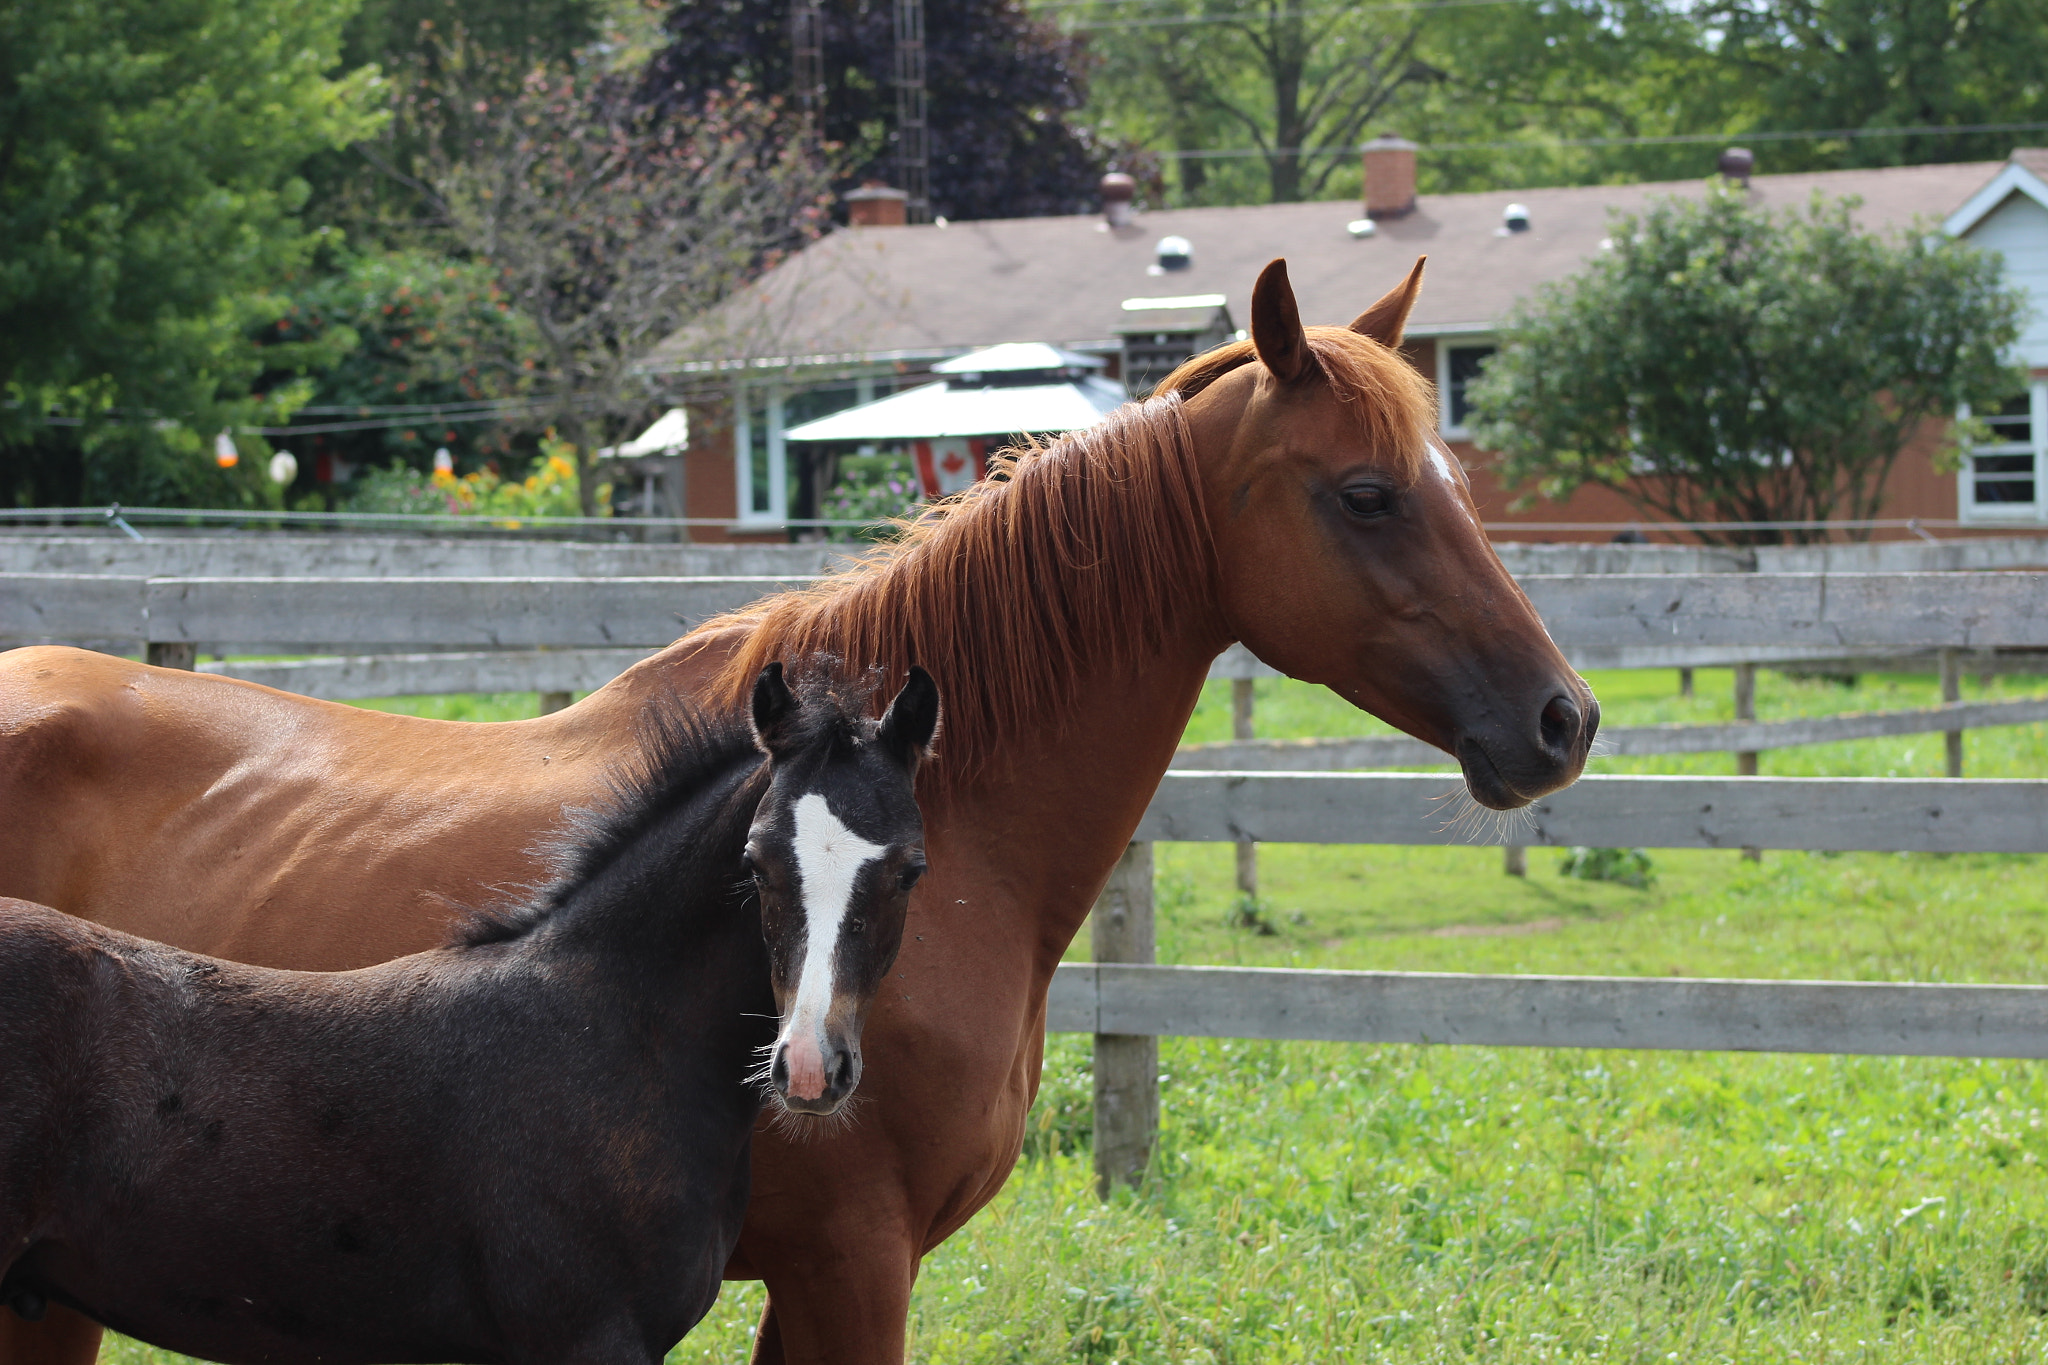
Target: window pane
x: 2004, y: 464
x: 758, y: 499
x: 1465, y: 365
x: 2005, y: 491
x: 2012, y: 421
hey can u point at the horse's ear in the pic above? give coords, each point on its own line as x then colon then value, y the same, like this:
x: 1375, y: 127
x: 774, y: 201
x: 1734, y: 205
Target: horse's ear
x: 1386, y: 320
x: 912, y: 720
x: 1276, y: 325
x: 774, y: 706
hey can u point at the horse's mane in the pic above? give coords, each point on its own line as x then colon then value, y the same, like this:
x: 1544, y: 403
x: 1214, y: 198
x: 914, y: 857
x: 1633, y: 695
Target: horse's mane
x: 1392, y: 400
x: 1069, y: 555
x: 681, y: 751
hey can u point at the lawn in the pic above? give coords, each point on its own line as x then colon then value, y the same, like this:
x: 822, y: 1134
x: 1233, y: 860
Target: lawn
x: 1324, y: 1202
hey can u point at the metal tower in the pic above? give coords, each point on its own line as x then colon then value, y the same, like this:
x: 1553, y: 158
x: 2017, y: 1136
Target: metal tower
x: 807, y: 45
x: 913, y: 136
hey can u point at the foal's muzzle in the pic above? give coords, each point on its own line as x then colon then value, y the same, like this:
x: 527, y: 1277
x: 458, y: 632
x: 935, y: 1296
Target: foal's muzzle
x: 816, y: 1092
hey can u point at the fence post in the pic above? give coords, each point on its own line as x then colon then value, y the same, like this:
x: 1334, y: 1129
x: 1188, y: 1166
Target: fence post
x: 1745, y: 709
x: 172, y: 654
x: 1126, y: 1065
x: 1241, y: 729
x: 551, y: 702
x: 1685, y: 682
x: 1514, y: 860
x: 1952, y: 691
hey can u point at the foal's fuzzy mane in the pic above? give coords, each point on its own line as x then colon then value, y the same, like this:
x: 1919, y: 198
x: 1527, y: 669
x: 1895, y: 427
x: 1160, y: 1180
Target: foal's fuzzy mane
x: 680, y: 750
x: 1071, y: 554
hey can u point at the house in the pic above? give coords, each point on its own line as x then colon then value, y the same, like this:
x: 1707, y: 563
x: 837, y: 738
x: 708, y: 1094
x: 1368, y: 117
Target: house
x: 874, y: 307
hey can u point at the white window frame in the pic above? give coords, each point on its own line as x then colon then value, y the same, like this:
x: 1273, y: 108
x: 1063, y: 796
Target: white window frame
x: 2007, y: 513
x: 743, y: 460
x: 1444, y: 346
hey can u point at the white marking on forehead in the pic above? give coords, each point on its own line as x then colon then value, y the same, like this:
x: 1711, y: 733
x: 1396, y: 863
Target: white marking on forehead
x: 829, y: 858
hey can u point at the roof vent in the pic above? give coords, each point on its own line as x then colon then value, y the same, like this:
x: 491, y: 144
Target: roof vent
x: 1174, y: 253
x: 1515, y: 218
x: 1737, y: 163
x: 875, y: 204
x: 1118, y: 190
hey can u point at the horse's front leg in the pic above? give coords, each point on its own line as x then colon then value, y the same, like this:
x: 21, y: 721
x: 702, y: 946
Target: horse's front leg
x: 852, y: 1307
x: 61, y: 1337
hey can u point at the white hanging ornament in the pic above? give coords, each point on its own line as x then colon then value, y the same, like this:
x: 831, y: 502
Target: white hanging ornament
x: 224, y: 452
x: 284, y: 467
x: 444, y: 463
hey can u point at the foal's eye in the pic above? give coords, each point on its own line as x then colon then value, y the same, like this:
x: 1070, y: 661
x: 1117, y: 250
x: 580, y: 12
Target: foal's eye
x: 908, y: 877
x: 748, y: 861
x: 1367, y: 500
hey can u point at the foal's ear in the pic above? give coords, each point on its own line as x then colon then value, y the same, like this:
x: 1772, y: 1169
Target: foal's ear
x: 1386, y: 320
x: 774, y: 707
x: 1276, y: 325
x: 912, y: 720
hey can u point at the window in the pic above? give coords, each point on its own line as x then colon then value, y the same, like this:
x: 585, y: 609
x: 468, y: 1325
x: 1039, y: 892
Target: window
x: 1456, y: 368
x: 774, y: 482
x: 758, y: 456
x: 2001, y: 481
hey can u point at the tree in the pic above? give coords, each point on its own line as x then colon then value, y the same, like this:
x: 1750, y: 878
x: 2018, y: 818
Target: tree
x: 1302, y: 83
x: 431, y: 337
x: 1002, y: 87
x: 1722, y: 363
x: 606, y: 225
x: 149, y: 199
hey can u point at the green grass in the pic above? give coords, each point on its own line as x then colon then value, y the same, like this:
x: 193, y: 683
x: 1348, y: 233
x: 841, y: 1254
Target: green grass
x: 1327, y: 1202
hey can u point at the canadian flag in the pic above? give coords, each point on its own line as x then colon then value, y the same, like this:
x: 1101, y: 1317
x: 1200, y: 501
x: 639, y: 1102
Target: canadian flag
x: 949, y: 464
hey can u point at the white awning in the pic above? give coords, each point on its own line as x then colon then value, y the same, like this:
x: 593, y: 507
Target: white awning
x: 935, y: 410
x: 670, y: 432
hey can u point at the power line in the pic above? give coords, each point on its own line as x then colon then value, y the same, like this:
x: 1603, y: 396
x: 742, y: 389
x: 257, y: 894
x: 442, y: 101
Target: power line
x: 1661, y: 140
x: 1187, y: 20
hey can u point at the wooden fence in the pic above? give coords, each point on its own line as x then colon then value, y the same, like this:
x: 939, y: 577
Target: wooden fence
x: 493, y: 627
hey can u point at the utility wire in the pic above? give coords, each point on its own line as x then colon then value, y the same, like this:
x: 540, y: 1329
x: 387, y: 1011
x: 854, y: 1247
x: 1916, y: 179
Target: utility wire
x: 1661, y: 140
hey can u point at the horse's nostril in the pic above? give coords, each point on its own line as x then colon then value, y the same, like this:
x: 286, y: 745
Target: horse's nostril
x: 1560, y: 724
x: 842, y: 1071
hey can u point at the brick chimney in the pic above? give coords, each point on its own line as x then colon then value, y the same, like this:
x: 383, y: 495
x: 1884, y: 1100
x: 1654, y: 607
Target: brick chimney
x: 1118, y: 190
x: 1389, y: 177
x: 877, y: 205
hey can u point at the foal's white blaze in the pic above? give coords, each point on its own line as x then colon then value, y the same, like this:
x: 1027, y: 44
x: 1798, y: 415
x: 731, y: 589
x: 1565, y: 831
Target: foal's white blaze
x: 829, y: 858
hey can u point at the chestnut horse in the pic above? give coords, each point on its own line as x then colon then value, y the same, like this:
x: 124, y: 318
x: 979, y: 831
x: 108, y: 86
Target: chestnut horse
x: 1287, y: 492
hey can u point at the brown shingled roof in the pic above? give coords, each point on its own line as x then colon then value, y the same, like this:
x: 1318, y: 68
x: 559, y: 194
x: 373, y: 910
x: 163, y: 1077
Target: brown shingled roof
x: 917, y: 292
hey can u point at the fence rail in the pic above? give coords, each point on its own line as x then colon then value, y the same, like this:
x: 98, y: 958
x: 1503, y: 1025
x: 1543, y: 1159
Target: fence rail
x: 1687, y: 1014
x: 1614, y: 620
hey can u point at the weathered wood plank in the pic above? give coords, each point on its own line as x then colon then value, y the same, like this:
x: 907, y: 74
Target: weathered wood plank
x: 63, y: 608
x: 1553, y: 1011
x: 1936, y: 815
x: 1399, y: 751
x: 485, y: 613
x: 1847, y: 613
x: 348, y: 678
x: 285, y: 555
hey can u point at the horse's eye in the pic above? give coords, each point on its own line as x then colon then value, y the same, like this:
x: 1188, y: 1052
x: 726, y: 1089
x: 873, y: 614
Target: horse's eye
x: 911, y: 872
x: 749, y: 862
x: 1367, y: 500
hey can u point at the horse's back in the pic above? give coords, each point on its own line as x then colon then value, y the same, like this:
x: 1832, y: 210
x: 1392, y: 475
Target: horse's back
x: 252, y: 824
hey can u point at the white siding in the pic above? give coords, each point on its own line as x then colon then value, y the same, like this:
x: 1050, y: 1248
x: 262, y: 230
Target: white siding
x: 2018, y: 229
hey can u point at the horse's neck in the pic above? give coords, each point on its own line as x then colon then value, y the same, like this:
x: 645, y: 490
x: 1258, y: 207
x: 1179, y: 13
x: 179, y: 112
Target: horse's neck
x: 1049, y: 821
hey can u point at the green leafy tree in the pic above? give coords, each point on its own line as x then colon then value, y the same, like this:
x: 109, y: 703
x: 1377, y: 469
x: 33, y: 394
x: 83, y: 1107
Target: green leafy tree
x: 607, y: 226
x: 434, y: 339
x: 149, y: 197
x: 1302, y: 84
x: 1722, y: 363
